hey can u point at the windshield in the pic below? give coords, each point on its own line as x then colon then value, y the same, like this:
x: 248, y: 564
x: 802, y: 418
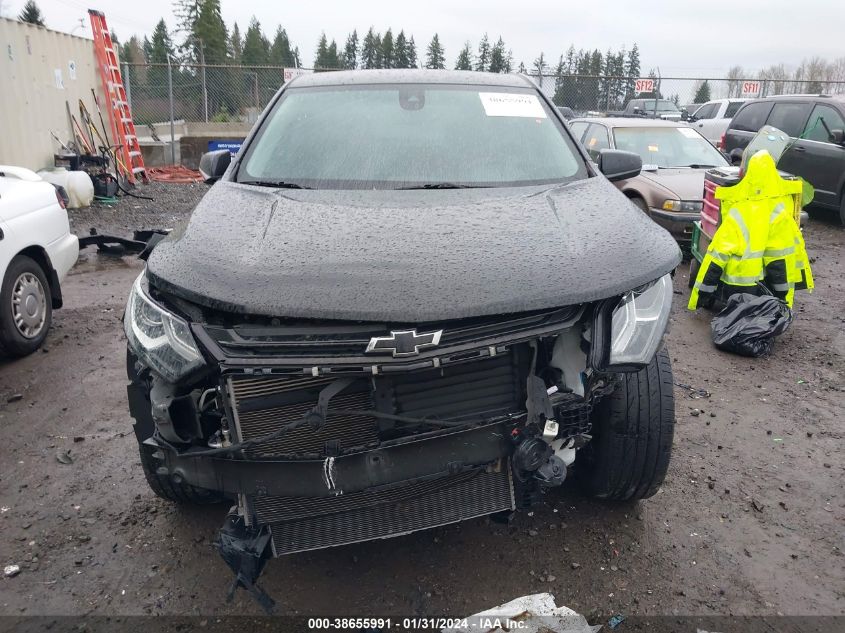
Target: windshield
x: 669, y: 146
x: 662, y: 106
x: 410, y: 135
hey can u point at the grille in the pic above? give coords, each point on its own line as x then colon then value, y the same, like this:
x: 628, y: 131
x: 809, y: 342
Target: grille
x: 454, y: 499
x: 341, y: 342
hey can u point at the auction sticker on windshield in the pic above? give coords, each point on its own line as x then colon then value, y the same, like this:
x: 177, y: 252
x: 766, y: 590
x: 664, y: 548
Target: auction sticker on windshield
x: 509, y: 104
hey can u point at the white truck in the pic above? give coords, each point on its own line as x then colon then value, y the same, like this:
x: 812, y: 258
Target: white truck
x: 712, y: 118
x: 37, y: 250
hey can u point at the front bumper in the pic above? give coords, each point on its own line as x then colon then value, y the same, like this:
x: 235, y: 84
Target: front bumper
x: 677, y: 223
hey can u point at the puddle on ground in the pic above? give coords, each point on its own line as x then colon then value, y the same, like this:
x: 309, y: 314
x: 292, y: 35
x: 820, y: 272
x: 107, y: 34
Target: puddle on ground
x: 92, y: 260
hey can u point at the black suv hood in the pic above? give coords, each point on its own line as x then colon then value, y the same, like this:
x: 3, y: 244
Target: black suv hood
x: 410, y: 256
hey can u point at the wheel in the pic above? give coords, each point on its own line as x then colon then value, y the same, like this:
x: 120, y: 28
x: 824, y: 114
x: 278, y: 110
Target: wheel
x: 694, y: 267
x: 842, y: 208
x: 26, y: 309
x: 633, y: 427
x: 168, y: 489
x: 640, y: 204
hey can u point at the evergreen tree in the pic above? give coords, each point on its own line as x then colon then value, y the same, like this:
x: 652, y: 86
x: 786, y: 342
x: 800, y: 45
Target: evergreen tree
x: 702, y: 95
x: 161, y: 50
x: 31, y: 14
x: 280, y: 51
x: 236, y: 45
x: 333, y: 59
x: 186, y: 13
x: 400, y: 48
x: 161, y: 46
x: 350, y: 51
x: 435, y: 55
x: 560, y: 77
x: 412, y: 53
x: 379, y: 52
x: 369, y: 54
x: 632, y: 71
x: 256, y: 50
x: 498, y: 58
x: 540, y: 66
x: 482, y: 62
x: 464, y: 61
x: 210, y: 32
x: 147, y: 47
x: 322, y: 54
x: 387, y: 50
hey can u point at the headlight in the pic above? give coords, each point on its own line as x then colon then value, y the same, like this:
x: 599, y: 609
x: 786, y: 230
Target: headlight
x: 638, y: 324
x: 685, y: 206
x: 161, y: 339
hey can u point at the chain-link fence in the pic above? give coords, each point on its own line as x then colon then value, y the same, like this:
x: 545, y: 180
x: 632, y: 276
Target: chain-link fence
x: 159, y: 93
x: 592, y: 94
x: 199, y: 93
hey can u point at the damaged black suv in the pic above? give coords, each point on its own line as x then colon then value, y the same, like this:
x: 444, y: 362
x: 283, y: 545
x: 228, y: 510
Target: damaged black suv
x: 411, y: 299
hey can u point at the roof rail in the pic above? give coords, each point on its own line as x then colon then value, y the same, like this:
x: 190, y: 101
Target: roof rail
x: 824, y: 96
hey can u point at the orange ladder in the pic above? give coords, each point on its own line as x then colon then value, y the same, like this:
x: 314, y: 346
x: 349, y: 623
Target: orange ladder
x: 130, y: 161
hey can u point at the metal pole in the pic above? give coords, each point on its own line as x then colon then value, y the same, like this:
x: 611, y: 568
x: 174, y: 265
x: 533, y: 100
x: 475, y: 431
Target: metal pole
x: 127, y: 84
x: 172, y: 131
x: 204, y: 85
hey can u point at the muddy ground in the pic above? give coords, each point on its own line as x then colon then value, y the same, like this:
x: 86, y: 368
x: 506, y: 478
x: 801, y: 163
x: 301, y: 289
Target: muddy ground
x: 749, y: 521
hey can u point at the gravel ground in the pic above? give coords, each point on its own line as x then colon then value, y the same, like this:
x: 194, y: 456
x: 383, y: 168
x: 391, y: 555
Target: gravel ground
x: 749, y: 520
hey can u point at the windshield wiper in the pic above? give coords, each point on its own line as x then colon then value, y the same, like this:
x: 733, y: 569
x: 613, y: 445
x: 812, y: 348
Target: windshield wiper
x: 278, y: 184
x: 440, y: 185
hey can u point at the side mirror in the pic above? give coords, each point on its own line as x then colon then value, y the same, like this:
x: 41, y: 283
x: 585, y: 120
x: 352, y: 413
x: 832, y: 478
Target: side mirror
x: 214, y: 164
x: 616, y: 164
x: 637, y: 110
x: 685, y: 116
x: 837, y: 136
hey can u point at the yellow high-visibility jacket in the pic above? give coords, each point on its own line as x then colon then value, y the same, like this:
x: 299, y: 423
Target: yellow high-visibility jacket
x: 758, y: 238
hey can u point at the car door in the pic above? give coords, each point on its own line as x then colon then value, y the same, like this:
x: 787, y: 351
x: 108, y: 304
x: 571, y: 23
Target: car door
x: 746, y: 124
x: 705, y: 117
x: 816, y: 158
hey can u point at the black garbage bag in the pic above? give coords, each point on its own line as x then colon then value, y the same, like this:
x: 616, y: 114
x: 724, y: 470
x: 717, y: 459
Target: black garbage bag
x: 749, y: 324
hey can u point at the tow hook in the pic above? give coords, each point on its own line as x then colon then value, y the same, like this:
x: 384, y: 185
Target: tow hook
x: 245, y: 550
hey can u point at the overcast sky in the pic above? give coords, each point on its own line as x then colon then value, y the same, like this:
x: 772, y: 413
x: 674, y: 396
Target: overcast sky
x: 680, y: 37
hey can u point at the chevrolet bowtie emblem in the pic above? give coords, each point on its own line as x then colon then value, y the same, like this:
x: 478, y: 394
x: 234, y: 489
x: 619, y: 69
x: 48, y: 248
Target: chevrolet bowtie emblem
x: 403, y: 343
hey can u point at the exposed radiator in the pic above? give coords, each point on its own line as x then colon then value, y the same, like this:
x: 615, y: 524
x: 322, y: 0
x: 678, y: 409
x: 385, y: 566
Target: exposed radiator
x: 478, y: 390
x: 389, y: 513
x: 264, y: 404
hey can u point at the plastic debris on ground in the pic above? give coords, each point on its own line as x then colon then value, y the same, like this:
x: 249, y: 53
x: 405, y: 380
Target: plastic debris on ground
x: 615, y: 621
x: 535, y: 613
x: 10, y: 571
x: 749, y: 324
x: 174, y: 173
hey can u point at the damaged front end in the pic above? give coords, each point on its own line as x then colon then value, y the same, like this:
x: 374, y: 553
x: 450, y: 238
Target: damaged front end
x: 330, y: 433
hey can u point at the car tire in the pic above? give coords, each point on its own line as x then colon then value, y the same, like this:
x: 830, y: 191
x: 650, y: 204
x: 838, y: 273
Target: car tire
x: 640, y: 204
x: 694, y: 267
x: 26, y: 309
x: 164, y: 486
x: 629, y: 454
x: 842, y: 208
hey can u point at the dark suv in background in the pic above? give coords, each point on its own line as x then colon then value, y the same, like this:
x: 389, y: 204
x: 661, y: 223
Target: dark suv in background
x: 817, y: 122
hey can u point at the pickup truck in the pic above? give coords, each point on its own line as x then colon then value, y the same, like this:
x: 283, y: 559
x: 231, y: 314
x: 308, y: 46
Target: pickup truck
x: 645, y: 108
x: 712, y: 118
